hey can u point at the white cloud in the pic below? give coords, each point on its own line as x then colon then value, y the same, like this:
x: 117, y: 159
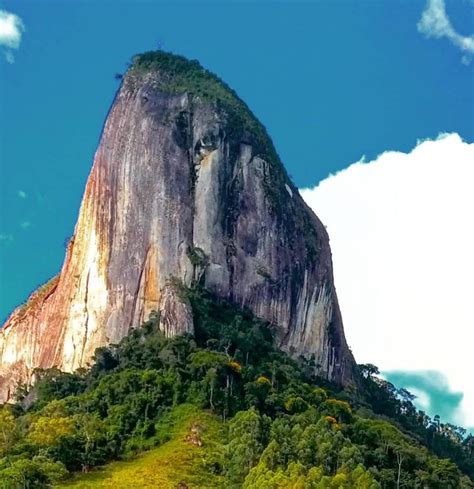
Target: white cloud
x: 25, y: 224
x: 402, y: 240
x: 22, y: 194
x: 11, y: 30
x: 435, y: 23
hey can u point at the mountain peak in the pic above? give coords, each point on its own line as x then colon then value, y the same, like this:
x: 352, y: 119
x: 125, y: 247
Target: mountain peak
x: 176, y: 74
x: 186, y: 187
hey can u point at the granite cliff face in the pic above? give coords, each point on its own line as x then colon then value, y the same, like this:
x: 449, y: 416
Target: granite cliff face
x: 185, y: 184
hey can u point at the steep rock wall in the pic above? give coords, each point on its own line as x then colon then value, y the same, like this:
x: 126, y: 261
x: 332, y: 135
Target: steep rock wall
x: 177, y: 191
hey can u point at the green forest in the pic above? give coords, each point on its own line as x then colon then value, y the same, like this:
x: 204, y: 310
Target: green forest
x: 271, y: 423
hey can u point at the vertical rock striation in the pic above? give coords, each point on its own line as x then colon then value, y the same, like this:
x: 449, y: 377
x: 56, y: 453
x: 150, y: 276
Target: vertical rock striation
x: 185, y: 184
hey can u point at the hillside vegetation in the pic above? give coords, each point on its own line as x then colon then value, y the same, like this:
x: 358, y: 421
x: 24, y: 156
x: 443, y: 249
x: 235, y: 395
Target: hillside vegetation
x: 193, y: 434
x: 222, y: 408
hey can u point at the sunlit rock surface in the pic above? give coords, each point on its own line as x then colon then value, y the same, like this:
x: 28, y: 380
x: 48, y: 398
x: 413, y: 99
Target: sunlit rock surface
x: 176, y: 191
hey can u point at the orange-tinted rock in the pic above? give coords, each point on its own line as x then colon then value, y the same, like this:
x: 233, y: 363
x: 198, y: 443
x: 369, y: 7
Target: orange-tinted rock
x: 176, y: 191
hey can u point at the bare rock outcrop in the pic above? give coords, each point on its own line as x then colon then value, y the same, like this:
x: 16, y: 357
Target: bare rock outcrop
x: 186, y: 184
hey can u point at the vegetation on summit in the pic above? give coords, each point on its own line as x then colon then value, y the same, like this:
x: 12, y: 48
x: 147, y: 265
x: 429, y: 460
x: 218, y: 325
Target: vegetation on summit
x: 177, y: 74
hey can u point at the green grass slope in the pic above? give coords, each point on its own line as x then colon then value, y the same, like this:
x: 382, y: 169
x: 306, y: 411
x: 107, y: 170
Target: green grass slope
x: 165, y: 398
x: 179, y: 460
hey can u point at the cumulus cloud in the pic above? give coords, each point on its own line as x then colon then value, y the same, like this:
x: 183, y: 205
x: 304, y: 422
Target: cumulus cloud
x: 25, y: 224
x: 22, y: 194
x: 435, y: 23
x: 11, y: 30
x: 402, y: 239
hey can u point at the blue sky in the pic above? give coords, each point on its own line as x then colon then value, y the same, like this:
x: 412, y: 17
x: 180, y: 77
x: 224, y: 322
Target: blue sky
x: 331, y: 80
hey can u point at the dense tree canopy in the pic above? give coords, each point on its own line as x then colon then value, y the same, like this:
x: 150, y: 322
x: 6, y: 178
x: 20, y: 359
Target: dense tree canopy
x: 284, y: 427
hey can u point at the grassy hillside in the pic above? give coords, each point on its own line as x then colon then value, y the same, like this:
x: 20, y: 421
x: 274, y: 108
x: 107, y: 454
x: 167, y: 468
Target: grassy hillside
x: 222, y: 408
x: 194, y: 434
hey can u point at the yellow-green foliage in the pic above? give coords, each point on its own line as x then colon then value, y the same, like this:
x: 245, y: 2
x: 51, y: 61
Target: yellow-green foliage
x: 296, y: 405
x: 46, y: 432
x: 7, y: 429
x: 178, y: 460
x: 235, y: 366
x: 262, y: 380
x: 340, y: 410
x: 295, y: 477
x: 319, y: 395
